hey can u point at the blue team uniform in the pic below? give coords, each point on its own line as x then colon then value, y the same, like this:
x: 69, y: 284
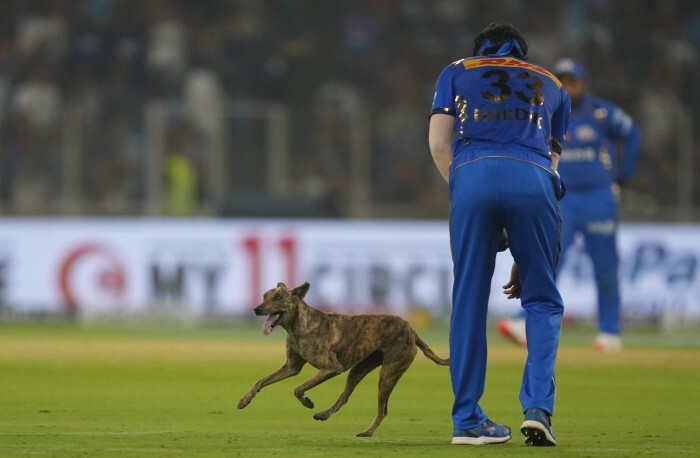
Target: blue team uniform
x: 590, y: 167
x: 509, y: 114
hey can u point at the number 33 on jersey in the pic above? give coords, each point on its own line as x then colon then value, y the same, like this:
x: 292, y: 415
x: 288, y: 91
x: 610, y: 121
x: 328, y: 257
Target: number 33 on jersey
x: 503, y: 101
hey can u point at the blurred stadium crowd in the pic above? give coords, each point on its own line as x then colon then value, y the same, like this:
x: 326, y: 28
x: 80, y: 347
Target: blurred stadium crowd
x: 80, y: 81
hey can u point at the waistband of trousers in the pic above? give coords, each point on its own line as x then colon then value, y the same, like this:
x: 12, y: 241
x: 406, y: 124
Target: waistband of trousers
x: 466, y: 157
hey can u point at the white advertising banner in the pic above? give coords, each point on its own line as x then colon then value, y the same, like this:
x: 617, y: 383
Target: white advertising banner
x: 222, y: 267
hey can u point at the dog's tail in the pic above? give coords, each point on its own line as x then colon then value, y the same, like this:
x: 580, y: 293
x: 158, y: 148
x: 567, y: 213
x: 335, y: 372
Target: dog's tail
x: 427, y: 351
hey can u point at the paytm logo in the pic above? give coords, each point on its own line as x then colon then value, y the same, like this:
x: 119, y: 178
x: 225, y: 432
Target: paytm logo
x: 656, y: 260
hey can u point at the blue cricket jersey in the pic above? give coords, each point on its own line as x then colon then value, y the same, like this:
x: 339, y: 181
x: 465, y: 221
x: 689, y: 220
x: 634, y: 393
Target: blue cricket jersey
x: 589, y: 156
x: 503, y: 106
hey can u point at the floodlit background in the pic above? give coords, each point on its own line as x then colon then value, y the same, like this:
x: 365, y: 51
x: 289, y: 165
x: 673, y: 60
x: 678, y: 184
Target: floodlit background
x: 115, y: 114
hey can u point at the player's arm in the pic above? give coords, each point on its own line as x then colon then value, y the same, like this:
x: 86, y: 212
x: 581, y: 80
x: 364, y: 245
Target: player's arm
x: 560, y: 122
x: 442, y: 122
x: 555, y: 160
x: 440, y: 135
x: 623, y: 127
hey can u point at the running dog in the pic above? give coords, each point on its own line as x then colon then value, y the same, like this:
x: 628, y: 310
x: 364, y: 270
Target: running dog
x: 334, y: 343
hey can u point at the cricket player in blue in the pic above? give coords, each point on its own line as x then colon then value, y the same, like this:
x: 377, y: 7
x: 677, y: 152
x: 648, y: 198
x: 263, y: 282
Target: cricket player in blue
x: 496, y: 130
x: 592, y: 173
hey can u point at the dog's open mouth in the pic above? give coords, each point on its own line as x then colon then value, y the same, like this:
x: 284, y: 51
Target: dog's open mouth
x: 271, y: 322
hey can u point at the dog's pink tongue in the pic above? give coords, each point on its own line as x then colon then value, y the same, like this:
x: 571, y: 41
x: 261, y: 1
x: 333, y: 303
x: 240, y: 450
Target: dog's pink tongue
x: 267, y: 327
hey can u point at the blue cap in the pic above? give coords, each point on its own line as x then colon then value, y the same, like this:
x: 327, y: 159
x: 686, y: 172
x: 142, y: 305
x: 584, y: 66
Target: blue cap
x: 568, y: 66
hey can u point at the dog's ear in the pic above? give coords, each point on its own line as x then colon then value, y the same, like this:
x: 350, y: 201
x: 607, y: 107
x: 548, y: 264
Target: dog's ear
x: 300, y: 291
x: 281, y: 285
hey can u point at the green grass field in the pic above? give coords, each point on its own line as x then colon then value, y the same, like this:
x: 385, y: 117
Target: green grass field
x: 147, y: 390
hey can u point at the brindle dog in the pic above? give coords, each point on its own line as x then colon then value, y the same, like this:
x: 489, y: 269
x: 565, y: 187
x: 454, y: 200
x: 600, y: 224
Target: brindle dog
x: 334, y: 343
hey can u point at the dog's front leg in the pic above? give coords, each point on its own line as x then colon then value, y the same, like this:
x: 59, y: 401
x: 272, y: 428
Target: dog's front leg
x: 291, y: 367
x: 324, y: 374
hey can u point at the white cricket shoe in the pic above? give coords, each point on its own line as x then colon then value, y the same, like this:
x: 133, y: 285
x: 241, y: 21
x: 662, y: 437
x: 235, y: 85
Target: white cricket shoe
x: 513, y: 329
x: 607, y: 342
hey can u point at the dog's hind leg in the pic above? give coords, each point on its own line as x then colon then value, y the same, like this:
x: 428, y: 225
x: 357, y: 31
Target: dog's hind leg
x: 390, y: 374
x: 355, y: 376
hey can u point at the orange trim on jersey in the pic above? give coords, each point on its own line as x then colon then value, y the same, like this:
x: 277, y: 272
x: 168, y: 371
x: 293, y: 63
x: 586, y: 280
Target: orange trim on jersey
x: 508, y: 62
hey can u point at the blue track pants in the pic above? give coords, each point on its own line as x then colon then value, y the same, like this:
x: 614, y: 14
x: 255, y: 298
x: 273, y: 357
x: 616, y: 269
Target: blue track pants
x: 487, y: 195
x: 593, y: 213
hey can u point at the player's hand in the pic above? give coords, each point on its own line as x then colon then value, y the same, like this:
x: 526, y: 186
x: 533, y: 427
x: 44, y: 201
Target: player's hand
x: 513, y: 289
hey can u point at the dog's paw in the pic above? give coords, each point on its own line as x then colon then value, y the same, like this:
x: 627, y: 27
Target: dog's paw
x: 306, y: 402
x: 243, y: 403
x: 323, y: 416
x: 364, y: 434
